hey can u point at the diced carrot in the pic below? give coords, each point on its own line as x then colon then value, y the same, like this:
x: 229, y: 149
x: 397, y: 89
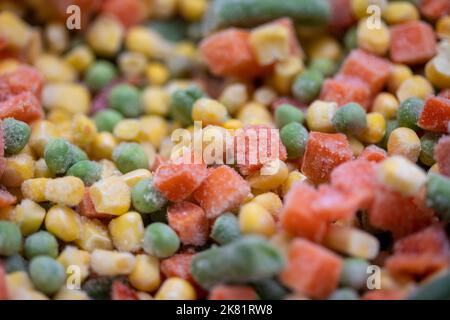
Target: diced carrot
x: 297, y: 216
x: 434, y: 9
x: 373, y: 153
x: 311, y: 269
x: 23, y: 79
x: 86, y: 208
x: 367, y: 67
x: 3, y: 289
x: 324, y: 152
x: 421, y: 253
x: 412, y: 42
x: 333, y: 204
x: 294, y: 46
x: 120, y: 291
x: 344, y: 90
x: 228, y: 53
x: 435, y: 115
x: 232, y: 292
x: 189, y: 222
x: 442, y: 155
x: 23, y: 106
x: 178, y: 266
x: 341, y: 16
x: 178, y: 181
x: 6, y: 198
x: 223, y: 190
x: 128, y: 12
x: 384, y: 295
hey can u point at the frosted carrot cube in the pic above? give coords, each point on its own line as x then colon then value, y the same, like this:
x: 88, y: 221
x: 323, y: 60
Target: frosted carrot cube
x: 177, y: 266
x: 373, y: 153
x: 442, y: 155
x: 23, y: 106
x: 332, y: 204
x: 189, y: 222
x: 6, y: 198
x: 23, y: 79
x: 232, y: 292
x: 344, y: 90
x: 434, y: 9
x: 435, y: 115
x: 86, y: 207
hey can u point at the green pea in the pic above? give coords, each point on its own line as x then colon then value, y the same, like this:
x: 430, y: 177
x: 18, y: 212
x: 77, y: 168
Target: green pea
x: 391, y: 125
x: 160, y: 240
x: 16, y: 135
x: 182, y: 101
x: 225, y: 228
x: 99, y: 74
x: 438, y: 195
x: 41, y: 243
x: 125, y: 98
x: 286, y: 114
x: 270, y: 289
x: 173, y: 30
x: 351, y: 39
x: 306, y: 86
x: 344, y: 294
x: 10, y: 238
x: 86, y: 170
x: 60, y: 155
x: 47, y: 274
x: 408, y: 113
x: 146, y: 198
x: 354, y: 273
x: 327, y: 67
x: 98, y: 288
x: 350, y: 118
x: 436, y: 289
x: 15, y: 263
x: 106, y: 120
x: 294, y: 137
x: 129, y: 156
x: 427, y: 143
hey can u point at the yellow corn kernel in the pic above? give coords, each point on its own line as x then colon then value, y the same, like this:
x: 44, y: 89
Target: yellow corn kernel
x: 352, y: 242
x: 285, y: 72
x: 443, y: 27
x: 127, y: 231
x: 83, y: 130
x: 319, y: 115
x: 80, y: 58
x: 416, y: 86
x: 66, y: 190
x: 132, y: 64
x: 57, y: 37
x: 13, y: 30
x: 254, y: 218
x: 41, y: 170
x: 103, y: 145
x: 270, y: 43
x: 269, y: 178
x: 35, y: 46
x: 185, y: 49
x: 72, y: 256
x: 209, y: 111
x: 253, y: 113
x: 150, y: 152
x: 356, y: 146
x: 192, y: 10
x: 109, y: 169
x: 29, y: 216
x: 434, y: 168
x: 399, y: 12
x: 234, y: 96
x: 264, y: 95
x: 127, y: 129
x: 376, y: 127
x: 400, y: 174
x: 105, y: 35
x: 111, y: 196
x: 19, y: 287
x: 374, y: 40
x: 18, y: 168
x: 70, y: 294
x: 437, y: 71
x: 157, y: 73
x: 8, y: 65
x: 71, y: 97
x: 293, y: 177
x: 142, y: 39
x: 360, y: 7
x: 176, y: 289
x: 398, y: 74
x: 324, y: 47
x: 269, y: 201
x: 155, y: 100
x: 94, y: 235
x: 63, y: 223
x: 163, y: 9
x: 34, y: 189
x: 54, y: 69
x: 145, y: 275
x: 404, y: 142
x: 133, y: 177
x: 232, y: 124
x: 58, y: 116
x: 154, y: 129
x: 386, y: 104
x: 112, y: 263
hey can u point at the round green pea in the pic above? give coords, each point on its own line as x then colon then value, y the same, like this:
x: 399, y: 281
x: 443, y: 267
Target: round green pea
x: 146, y: 198
x: 225, y: 228
x: 307, y: 85
x: 160, y: 240
x: 354, y: 273
x: 408, y: 113
x: 47, y: 274
x: 294, y: 137
x: 41, y: 243
x: 350, y: 118
x: 182, y: 101
x: 16, y: 135
x: 10, y: 238
x: 129, y: 156
x: 287, y: 113
x: 125, y: 99
x: 15, y: 263
x: 438, y: 195
x: 106, y: 120
x: 427, y: 143
x: 325, y: 66
x: 86, y: 170
x: 60, y: 155
x: 99, y: 74
x: 344, y: 294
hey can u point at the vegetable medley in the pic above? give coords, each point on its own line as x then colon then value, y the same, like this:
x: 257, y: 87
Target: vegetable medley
x: 99, y: 199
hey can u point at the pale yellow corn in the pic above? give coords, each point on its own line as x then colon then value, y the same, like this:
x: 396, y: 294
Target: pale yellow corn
x: 145, y: 275
x: 64, y: 223
x: 150, y: 151
x: 29, y: 216
x: 41, y: 169
x: 443, y: 27
x: 416, y: 86
x: 127, y: 129
x: 57, y: 116
x: 127, y: 231
x: 401, y: 175
x: 404, y: 142
x: 265, y: 181
x: 72, y: 257
x: 270, y: 43
x: 42, y: 131
x: 376, y: 128
x: 319, y: 115
x: 157, y: 73
x: 35, y: 46
x: 57, y: 37
x: 133, y: 177
x: 103, y: 145
x: 109, y: 169
x: 34, y: 189
x: 232, y: 124
x: 105, y: 35
x: 293, y: 177
x: 255, y: 219
x: 356, y: 146
x: 264, y: 95
x: 54, y: 69
x: 132, y: 64
x: 374, y: 40
x: 154, y: 129
x: 111, y: 196
x: 143, y: 40
x: 285, y: 72
x: 270, y: 201
x: 352, y: 242
x: 253, y: 113
x: 386, y: 104
x: 70, y: 294
x: 324, y: 47
x: 234, y: 96
x: 66, y: 190
x: 18, y: 168
x: 176, y: 289
x: 437, y: 70
x: 155, y: 100
x: 192, y: 10
x: 19, y: 287
x: 400, y: 12
x: 80, y: 58
x: 14, y: 31
x: 55, y: 96
x: 360, y: 7
x: 209, y: 111
x: 83, y: 130
x: 398, y: 74
x: 112, y: 263
x: 94, y: 235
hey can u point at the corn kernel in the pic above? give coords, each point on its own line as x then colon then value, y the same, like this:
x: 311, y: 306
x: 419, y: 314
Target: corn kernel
x: 269, y: 201
x: 264, y: 96
x: 70, y: 294
x: 400, y: 12
x: 265, y: 181
x: 109, y: 169
x: 404, y: 142
x: 416, y: 86
x: 18, y: 168
x: 103, y: 145
x: 41, y: 169
x: 270, y: 43
x: 71, y: 97
x: 127, y: 129
x: 150, y: 152
x: 176, y: 289
x: 83, y: 130
x: 58, y: 116
x: 127, y: 231
x: 376, y: 127
x: 443, y: 27
x: 153, y: 129
x: 94, y: 235
x: 133, y: 177
x: 29, y: 216
x: 34, y: 189
x: 163, y: 9
x: 72, y: 256
x: 112, y: 263
x: 13, y: 30
x: 360, y: 7
x: 35, y: 46
x: 66, y: 190
x: 63, y: 223
x: 145, y: 275
x: 209, y: 111
x: 386, y: 104
x: 19, y: 287
x: 400, y: 174
x: 132, y: 64
x: 285, y: 72
x: 192, y: 10
x: 155, y: 100
x: 57, y: 37
x: 398, y: 74
x: 254, y: 113
x: 232, y: 124
x: 80, y: 58
x: 293, y: 177
x: 143, y: 40
x: 54, y: 69
x: 319, y: 115
x: 254, y: 218
x: 111, y: 196
x: 157, y: 73
x: 374, y: 40
x: 324, y: 47
x: 234, y: 96
x: 104, y: 36
x: 356, y: 146
x: 437, y: 70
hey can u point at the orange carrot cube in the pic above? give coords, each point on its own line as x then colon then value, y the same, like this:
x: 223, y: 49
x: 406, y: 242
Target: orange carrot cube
x: 6, y: 198
x: 23, y: 106
x: 343, y: 90
x: 86, y: 208
x: 341, y: 16
x: 384, y: 295
x: 3, y: 288
x: 128, y: 12
x: 442, y: 155
x: 332, y: 204
x: 178, y: 266
x: 23, y: 79
x: 434, y: 9
x: 435, y: 115
x: 232, y: 292
x: 189, y: 222
x: 373, y: 153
